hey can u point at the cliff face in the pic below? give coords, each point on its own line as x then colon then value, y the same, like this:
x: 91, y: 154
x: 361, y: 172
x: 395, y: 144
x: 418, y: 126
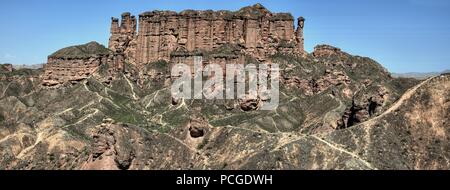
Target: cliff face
x: 256, y: 30
x: 123, y: 36
x: 336, y: 111
x: 220, y: 37
x: 75, y: 63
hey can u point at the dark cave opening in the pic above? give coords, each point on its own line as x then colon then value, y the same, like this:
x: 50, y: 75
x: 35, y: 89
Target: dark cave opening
x: 352, y: 118
x: 196, y: 132
x: 372, y: 107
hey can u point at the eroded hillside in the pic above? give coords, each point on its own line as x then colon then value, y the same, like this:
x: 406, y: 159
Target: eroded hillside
x: 96, y: 108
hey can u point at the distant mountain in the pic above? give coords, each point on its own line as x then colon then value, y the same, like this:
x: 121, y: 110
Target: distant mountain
x: 32, y: 66
x: 418, y: 75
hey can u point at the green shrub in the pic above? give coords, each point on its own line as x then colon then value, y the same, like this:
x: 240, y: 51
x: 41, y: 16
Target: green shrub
x: 202, y: 144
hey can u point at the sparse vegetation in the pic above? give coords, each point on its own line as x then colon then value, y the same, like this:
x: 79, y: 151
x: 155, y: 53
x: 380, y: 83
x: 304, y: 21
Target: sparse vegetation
x: 82, y: 51
x: 128, y: 115
x: 203, y: 144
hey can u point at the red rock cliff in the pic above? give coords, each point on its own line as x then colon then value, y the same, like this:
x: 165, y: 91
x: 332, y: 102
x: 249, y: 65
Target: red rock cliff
x: 76, y: 63
x: 256, y: 30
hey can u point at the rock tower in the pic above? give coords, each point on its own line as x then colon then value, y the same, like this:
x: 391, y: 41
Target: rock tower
x: 254, y: 29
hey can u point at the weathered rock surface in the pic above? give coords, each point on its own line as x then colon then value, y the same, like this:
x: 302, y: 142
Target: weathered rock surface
x: 336, y: 111
x: 364, y: 106
x: 259, y: 32
x: 76, y: 63
x: 6, y: 68
x: 326, y: 50
x: 412, y: 134
x: 198, y: 127
x: 111, y: 148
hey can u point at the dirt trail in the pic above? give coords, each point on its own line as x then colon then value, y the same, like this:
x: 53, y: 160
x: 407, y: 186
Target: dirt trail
x: 6, y: 88
x: 336, y: 147
x: 131, y: 88
x: 399, y: 102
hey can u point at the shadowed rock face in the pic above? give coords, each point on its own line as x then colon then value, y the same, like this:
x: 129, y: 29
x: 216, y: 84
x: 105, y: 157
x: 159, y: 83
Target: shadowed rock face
x: 198, y: 127
x: 336, y: 111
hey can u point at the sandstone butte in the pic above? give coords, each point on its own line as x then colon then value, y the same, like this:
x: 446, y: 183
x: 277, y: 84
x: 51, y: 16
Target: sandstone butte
x: 221, y: 37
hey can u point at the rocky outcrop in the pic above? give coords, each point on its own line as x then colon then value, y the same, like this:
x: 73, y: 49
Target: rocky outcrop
x: 223, y: 55
x: 336, y: 110
x: 259, y: 32
x: 111, y: 149
x: 123, y: 36
x: 365, y: 105
x: 76, y: 63
x: 331, y: 78
x: 198, y: 127
x: 326, y: 50
x: 219, y: 37
x: 72, y: 134
x: 249, y: 104
x: 411, y: 135
x: 6, y: 68
x: 315, y: 86
x: 299, y: 34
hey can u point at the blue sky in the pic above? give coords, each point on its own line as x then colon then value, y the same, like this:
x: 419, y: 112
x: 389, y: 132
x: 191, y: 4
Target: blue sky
x: 403, y: 35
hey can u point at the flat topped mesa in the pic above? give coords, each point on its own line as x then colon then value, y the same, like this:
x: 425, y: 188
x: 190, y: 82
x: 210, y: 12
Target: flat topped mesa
x: 75, y: 63
x: 81, y: 51
x: 250, y: 12
x: 326, y: 50
x: 258, y: 31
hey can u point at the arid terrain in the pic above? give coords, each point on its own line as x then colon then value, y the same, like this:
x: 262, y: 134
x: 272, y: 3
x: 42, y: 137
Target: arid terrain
x: 97, y: 107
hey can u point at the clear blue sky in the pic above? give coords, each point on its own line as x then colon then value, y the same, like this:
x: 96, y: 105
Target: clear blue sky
x: 403, y: 35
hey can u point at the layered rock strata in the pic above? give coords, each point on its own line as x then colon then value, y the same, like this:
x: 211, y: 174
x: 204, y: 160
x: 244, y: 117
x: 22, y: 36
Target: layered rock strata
x: 259, y: 32
x: 76, y: 63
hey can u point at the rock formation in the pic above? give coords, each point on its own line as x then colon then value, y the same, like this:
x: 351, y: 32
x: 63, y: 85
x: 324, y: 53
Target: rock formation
x: 110, y: 150
x: 315, y: 86
x: 256, y: 30
x: 299, y: 34
x: 6, y: 68
x: 325, y: 50
x: 122, y: 40
x: 197, y: 127
x: 75, y: 63
x: 364, y: 106
x: 336, y: 110
x: 219, y: 37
